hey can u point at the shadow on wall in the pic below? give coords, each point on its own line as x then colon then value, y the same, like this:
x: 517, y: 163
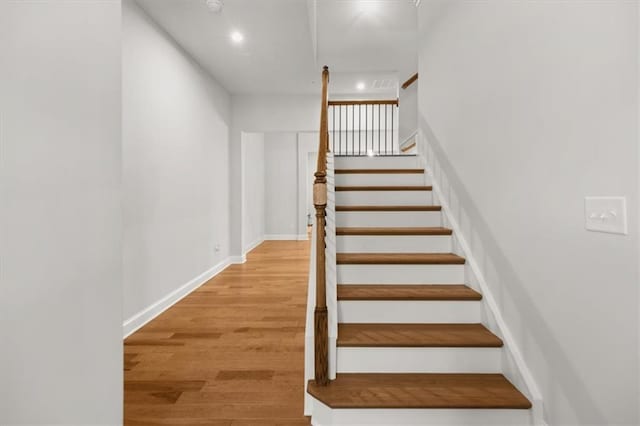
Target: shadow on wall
x: 507, y: 287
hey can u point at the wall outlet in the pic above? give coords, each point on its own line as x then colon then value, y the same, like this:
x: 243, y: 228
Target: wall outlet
x: 606, y: 214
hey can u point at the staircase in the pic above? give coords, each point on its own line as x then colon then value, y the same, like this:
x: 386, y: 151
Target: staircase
x: 411, y: 346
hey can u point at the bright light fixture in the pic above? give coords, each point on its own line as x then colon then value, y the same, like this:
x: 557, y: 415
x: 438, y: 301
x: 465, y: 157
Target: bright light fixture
x: 237, y: 37
x: 360, y: 85
x: 370, y: 7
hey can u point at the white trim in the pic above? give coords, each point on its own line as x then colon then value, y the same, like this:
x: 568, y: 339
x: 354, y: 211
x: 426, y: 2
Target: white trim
x: 237, y: 260
x: 283, y: 237
x: 138, y: 320
x: 411, y: 136
x: 487, y: 296
x: 252, y: 245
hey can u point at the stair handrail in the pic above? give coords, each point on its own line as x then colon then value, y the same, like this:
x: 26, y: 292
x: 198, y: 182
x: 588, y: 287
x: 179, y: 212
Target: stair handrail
x: 321, y: 326
x: 409, y: 81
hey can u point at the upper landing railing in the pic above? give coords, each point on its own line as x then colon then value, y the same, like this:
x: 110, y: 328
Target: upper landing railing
x: 367, y: 127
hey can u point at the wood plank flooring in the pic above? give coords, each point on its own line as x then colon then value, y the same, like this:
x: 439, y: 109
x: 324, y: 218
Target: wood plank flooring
x: 229, y: 354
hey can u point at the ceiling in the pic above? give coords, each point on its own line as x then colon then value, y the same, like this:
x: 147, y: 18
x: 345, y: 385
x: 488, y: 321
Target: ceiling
x: 286, y: 42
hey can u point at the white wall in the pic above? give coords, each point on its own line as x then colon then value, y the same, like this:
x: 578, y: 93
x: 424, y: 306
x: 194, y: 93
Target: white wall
x: 176, y: 175
x: 262, y: 113
x: 281, y: 185
x: 253, y: 187
x: 60, y: 210
x: 530, y: 107
x: 308, y: 143
x: 408, y: 114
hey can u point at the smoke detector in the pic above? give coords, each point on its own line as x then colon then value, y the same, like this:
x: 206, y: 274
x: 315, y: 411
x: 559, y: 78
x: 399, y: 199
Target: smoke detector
x: 215, y: 6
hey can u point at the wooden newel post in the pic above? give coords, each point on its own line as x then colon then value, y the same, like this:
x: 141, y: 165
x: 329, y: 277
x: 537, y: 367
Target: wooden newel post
x: 321, y: 328
x: 321, y: 325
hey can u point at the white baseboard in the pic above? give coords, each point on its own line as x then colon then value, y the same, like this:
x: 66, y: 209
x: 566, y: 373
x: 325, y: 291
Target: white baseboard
x: 237, y: 260
x: 253, y: 245
x: 488, y: 298
x: 138, y: 320
x: 279, y: 237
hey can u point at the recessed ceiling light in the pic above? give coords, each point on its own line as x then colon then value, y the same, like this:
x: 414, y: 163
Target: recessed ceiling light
x: 237, y: 37
x: 370, y: 7
x: 360, y: 86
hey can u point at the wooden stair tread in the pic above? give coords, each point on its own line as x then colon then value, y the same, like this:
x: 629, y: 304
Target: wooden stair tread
x: 393, y: 231
x: 399, y: 259
x: 406, y: 292
x: 388, y: 208
x: 430, y: 390
x: 378, y: 171
x: 384, y: 188
x: 416, y: 336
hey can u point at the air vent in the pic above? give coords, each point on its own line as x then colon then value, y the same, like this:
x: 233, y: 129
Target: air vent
x: 386, y: 83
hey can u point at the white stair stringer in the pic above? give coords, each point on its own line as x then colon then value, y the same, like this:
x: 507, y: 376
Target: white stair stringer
x: 419, y: 360
x: 326, y: 416
x: 513, y: 365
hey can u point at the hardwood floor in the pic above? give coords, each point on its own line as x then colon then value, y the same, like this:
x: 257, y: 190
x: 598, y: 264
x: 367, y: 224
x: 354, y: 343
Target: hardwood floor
x: 229, y: 354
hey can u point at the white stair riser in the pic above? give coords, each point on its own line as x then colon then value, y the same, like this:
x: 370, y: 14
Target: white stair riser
x: 419, y: 360
x: 325, y: 416
x: 400, y: 274
x: 408, y: 311
x: 393, y: 244
x: 366, y: 179
x: 350, y: 218
x: 398, y: 162
x: 384, y: 198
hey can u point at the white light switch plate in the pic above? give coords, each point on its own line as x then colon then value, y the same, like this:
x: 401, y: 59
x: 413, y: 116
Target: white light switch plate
x: 606, y: 214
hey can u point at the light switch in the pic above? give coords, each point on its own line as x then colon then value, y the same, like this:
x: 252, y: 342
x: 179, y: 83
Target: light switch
x: 606, y: 214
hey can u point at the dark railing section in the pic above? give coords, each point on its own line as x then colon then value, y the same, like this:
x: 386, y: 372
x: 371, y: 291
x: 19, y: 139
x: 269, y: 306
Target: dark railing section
x: 364, y: 127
